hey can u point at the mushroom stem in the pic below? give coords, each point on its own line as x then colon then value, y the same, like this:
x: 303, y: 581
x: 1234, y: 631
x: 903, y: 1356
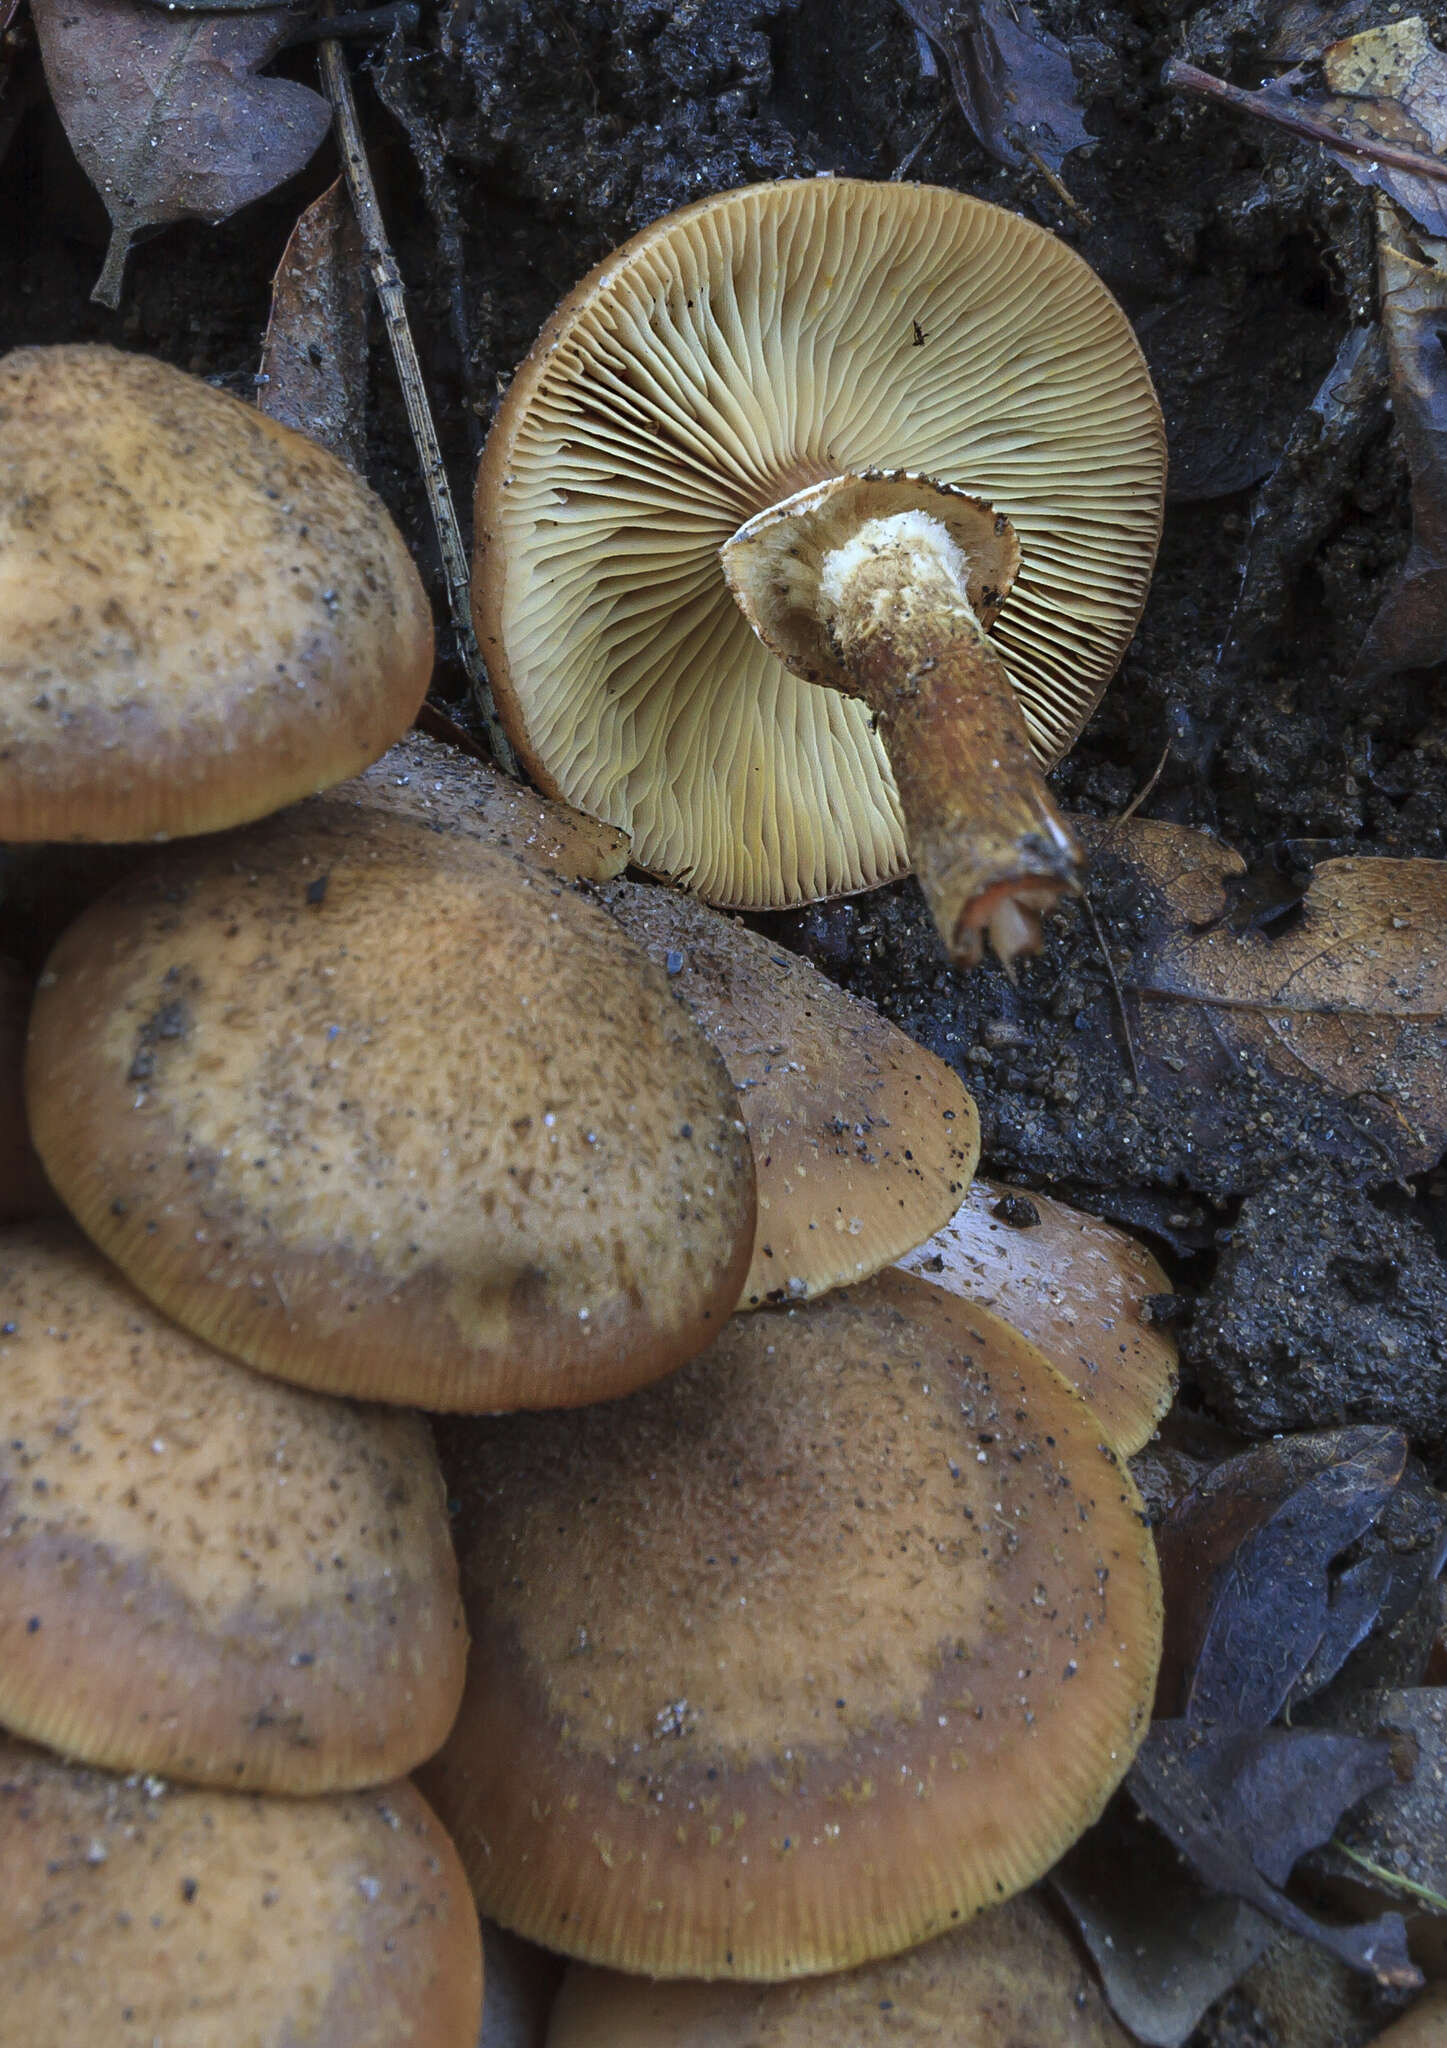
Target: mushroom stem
x: 989, y: 847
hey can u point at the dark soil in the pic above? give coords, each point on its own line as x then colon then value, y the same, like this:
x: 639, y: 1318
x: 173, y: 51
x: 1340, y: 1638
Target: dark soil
x: 517, y: 140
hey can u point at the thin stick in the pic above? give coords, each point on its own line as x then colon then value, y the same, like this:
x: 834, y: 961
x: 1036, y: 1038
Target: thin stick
x: 1140, y: 796
x: 1392, y: 1877
x: 388, y: 282
x: 1266, y: 108
x: 1135, y: 1072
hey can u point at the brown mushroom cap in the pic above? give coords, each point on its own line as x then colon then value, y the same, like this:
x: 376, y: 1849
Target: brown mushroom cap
x: 863, y: 1141
x: 1011, y: 1979
x: 392, y: 1114
x: 1075, y: 1286
x: 202, y: 1572
x: 203, y: 615
x: 808, y: 1653
x: 437, y: 785
x: 723, y: 359
x: 133, y: 1913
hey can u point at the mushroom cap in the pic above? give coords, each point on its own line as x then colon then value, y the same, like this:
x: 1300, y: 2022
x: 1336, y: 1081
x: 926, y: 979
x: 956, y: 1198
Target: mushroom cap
x: 438, y: 785
x: 800, y: 1657
x: 203, y: 1572
x: 1011, y: 1977
x: 774, y: 563
x: 203, y: 615
x: 133, y: 1912
x: 1071, y: 1284
x: 392, y: 1114
x: 863, y: 1141
x: 723, y: 359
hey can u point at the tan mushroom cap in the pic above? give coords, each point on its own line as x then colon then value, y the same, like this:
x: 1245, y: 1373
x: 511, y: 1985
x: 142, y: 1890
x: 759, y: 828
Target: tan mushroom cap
x: 133, y: 1913
x: 392, y: 1114
x: 1011, y: 1979
x: 1424, y: 2025
x: 726, y: 357
x: 862, y: 1139
x: 438, y: 785
x: 800, y: 1657
x: 203, y: 615
x: 1075, y: 1286
x: 203, y: 1572
x: 24, y: 1190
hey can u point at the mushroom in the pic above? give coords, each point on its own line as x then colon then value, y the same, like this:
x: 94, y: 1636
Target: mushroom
x: 392, y: 1114
x: 1075, y: 1286
x: 202, y: 1572
x: 1009, y: 1978
x: 133, y: 1912
x: 809, y: 1652
x: 915, y: 438
x: 863, y: 1141
x: 203, y: 616
x: 437, y: 785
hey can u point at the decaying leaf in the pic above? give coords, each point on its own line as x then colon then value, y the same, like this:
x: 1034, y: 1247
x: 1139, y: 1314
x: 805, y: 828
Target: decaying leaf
x: 1012, y: 79
x: 1392, y: 1849
x: 1246, y: 1572
x: 1242, y: 1805
x: 1350, y: 996
x: 1075, y: 1286
x: 1303, y: 498
x: 1390, y: 85
x: 167, y: 116
x: 1410, y: 629
x: 1166, y: 1945
x: 314, y: 358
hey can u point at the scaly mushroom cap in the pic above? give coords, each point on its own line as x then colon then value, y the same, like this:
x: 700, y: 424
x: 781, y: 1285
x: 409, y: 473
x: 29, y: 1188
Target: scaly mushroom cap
x: 1011, y: 1979
x: 203, y: 615
x: 202, y: 1572
x: 1075, y: 1286
x: 437, y: 785
x: 392, y: 1114
x: 840, y: 1634
x: 132, y: 1912
x: 863, y: 1141
x: 723, y: 359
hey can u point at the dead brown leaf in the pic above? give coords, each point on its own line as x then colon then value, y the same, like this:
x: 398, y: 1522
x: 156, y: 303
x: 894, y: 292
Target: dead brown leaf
x: 1348, y: 995
x: 314, y: 357
x: 167, y: 115
x: 1390, y: 85
x: 1012, y: 79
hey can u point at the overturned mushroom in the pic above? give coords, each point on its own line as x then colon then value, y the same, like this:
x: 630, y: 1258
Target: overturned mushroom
x: 917, y: 437
x: 132, y: 1912
x: 389, y: 1113
x: 811, y: 1651
x: 203, y: 615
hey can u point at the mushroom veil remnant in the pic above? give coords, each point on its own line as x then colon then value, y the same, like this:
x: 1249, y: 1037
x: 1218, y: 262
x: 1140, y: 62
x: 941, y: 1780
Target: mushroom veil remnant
x: 814, y: 527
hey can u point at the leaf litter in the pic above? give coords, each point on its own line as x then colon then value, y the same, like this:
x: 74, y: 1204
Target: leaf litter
x: 167, y: 115
x: 1279, y: 1568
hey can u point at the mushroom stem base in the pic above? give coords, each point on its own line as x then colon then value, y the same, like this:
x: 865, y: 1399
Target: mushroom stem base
x: 989, y: 847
